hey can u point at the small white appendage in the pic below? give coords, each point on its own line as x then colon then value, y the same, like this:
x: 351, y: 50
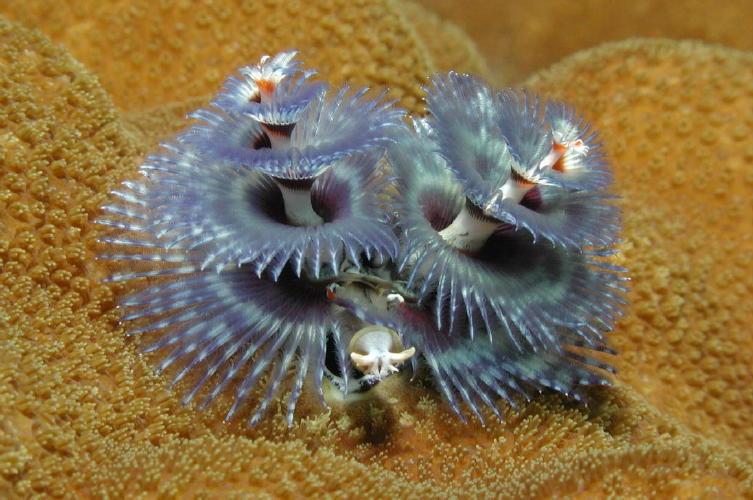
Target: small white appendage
x: 377, y: 352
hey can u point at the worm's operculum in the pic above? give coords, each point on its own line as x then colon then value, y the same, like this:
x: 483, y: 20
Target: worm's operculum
x: 378, y: 351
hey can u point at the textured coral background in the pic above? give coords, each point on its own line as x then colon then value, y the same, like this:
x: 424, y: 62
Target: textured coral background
x: 81, y: 413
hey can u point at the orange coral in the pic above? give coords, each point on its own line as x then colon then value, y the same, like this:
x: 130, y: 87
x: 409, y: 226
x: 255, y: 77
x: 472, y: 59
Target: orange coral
x: 448, y: 46
x: 519, y: 38
x: 82, y: 413
x: 670, y: 114
x: 144, y: 60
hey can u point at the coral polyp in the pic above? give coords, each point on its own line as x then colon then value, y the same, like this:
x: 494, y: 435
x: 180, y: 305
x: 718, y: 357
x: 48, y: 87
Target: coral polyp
x: 298, y: 228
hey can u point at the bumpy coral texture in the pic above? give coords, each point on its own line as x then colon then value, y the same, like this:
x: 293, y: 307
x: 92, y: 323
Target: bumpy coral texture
x: 83, y: 414
x: 519, y: 38
x: 676, y: 118
x: 150, y: 53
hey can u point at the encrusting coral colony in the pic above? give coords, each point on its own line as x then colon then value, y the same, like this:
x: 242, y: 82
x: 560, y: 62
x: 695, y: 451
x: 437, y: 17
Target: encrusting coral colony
x: 82, y: 412
x: 284, y: 245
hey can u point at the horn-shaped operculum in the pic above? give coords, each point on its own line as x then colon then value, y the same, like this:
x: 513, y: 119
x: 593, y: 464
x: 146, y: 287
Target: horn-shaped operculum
x: 377, y: 351
x: 477, y: 372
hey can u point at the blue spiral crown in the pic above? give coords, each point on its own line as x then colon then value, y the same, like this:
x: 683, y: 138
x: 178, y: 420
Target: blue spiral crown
x: 300, y: 236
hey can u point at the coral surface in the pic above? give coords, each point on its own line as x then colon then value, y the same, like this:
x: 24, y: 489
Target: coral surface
x: 676, y: 119
x: 519, y: 38
x: 81, y: 412
x: 150, y: 53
